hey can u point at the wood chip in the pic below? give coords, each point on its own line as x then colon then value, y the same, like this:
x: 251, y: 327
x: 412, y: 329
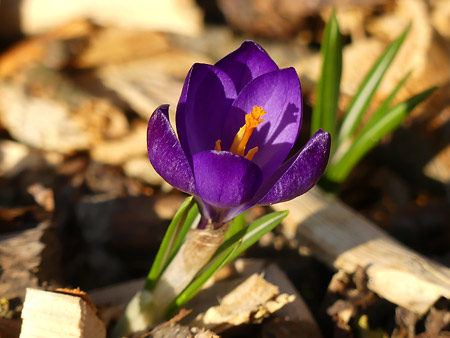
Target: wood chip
x: 141, y: 168
x: 250, y: 302
x: 439, y: 167
x: 20, y: 259
x: 295, y: 312
x: 175, y: 331
x: 119, y: 151
x: 440, y: 17
x: 49, y: 48
x: 116, y: 45
x: 346, y: 240
x: 37, y: 16
x: 40, y: 123
x: 423, y: 52
x: 9, y: 328
x: 143, y: 86
x: 17, y: 157
x: 52, y: 314
x: 43, y: 196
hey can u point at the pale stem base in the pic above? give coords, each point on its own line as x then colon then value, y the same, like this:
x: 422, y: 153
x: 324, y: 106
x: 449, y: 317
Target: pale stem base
x: 148, y: 308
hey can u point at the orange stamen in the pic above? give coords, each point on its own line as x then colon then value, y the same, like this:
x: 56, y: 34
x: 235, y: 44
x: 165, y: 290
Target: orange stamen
x: 251, y: 153
x: 242, y: 137
x: 237, y: 139
x: 217, y: 146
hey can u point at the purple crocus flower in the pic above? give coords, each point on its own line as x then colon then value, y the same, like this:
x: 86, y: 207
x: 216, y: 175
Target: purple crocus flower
x: 237, y: 121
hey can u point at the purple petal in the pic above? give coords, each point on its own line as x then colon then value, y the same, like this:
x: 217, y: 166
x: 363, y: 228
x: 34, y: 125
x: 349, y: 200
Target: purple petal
x: 279, y: 94
x: 246, y: 63
x: 298, y: 174
x: 225, y: 180
x: 165, y: 152
x: 203, y: 107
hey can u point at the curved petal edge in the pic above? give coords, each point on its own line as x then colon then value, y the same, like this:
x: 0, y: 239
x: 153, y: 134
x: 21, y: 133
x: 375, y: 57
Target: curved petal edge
x: 300, y: 173
x: 246, y: 63
x: 204, y: 104
x: 165, y: 152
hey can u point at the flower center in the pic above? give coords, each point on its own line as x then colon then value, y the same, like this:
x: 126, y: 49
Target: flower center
x: 240, y: 141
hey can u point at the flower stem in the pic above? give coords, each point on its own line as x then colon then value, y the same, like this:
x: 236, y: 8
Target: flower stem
x: 148, y: 307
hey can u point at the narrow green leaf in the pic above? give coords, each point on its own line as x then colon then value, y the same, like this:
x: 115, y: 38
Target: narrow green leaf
x: 228, y: 251
x: 193, y: 217
x: 362, y: 98
x: 324, y: 114
x: 339, y: 170
x: 384, y: 107
x: 237, y: 225
x: 379, y: 113
x: 173, y: 238
x: 257, y: 229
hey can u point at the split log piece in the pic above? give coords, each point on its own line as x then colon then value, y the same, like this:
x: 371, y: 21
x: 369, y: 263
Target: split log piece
x: 52, y: 314
x: 343, y: 239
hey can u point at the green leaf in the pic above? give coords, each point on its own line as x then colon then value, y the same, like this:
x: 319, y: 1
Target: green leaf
x: 324, y: 114
x: 237, y: 225
x: 256, y: 230
x: 378, y: 114
x: 338, y: 171
x: 193, y: 217
x: 362, y: 99
x: 384, y: 107
x: 175, y: 234
x: 227, y: 252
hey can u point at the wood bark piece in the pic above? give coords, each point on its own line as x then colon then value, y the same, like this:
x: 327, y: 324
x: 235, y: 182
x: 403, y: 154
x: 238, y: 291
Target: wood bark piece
x: 40, y: 123
x: 17, y: 157
x: 439, y: 166
x: 423, y: 52
x: 295, y: 313
x: 117, y: 45
x: 20, y: 259
x: 50, y: 49
x: 279, y: 18
x: 9, y: 328
x: 36, y: 16
x: 50, y: 112
x: 116, y: 152
x: 293, y: 317
x: 146, y: 84
x: 51, y: 314
x: 250, y: 302
x: 440, y: 17
x: 345, y: 240
x: 142, y: 87
x: 175, y: 331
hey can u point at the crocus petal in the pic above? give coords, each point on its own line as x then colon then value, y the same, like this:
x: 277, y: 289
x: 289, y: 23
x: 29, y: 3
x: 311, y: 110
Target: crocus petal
x: 204, y: 104
x: 246, y: 63
x: 279, y: 94
x: 165, y: 152
x: 298, y: 174
x: 225, y: 180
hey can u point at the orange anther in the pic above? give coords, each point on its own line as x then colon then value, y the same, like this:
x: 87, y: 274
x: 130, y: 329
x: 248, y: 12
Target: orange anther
x: 242, y: 137
x: 217, y: 146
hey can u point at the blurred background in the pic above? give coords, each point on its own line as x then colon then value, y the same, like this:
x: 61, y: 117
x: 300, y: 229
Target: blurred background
x: 79, y: 80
